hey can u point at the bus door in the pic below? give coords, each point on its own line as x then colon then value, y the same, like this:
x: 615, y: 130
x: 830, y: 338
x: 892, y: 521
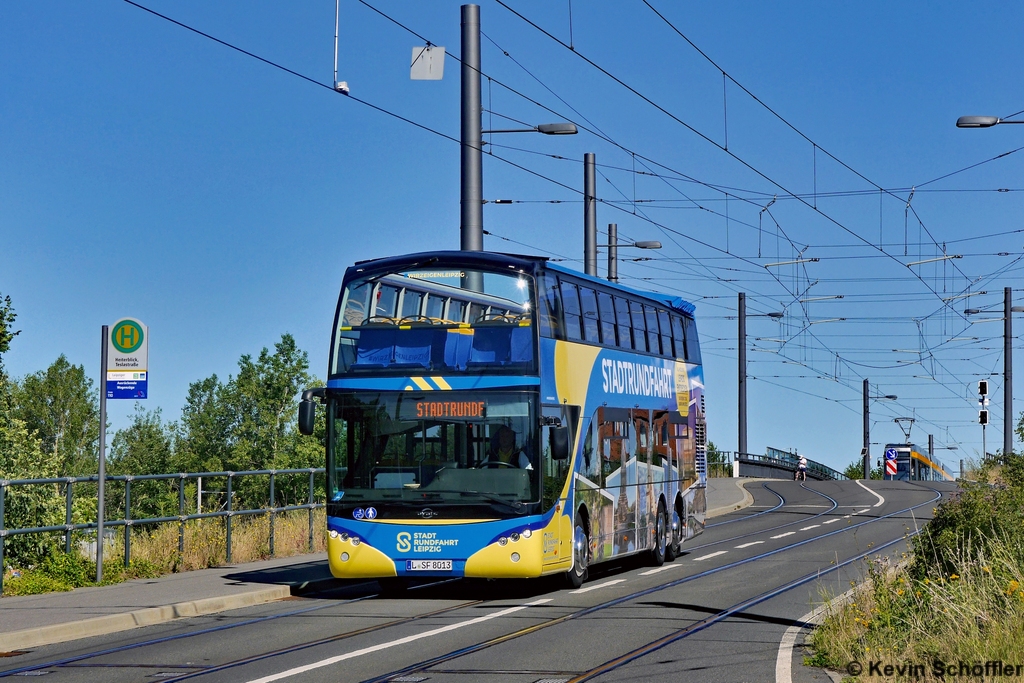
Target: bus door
x: 558, y: 538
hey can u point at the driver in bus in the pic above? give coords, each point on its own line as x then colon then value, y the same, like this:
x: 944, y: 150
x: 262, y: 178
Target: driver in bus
x: 505, y: 452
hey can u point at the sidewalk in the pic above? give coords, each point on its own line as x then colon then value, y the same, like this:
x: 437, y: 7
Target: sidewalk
x: 34, y: 620
x: 728, y: 495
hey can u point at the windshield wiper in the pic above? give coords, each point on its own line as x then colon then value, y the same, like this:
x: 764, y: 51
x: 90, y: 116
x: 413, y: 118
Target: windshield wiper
x: 514, y: 505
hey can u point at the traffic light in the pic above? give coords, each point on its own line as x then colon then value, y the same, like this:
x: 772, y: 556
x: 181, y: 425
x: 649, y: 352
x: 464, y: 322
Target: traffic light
x: 983, y: 387
x: 983, y: 417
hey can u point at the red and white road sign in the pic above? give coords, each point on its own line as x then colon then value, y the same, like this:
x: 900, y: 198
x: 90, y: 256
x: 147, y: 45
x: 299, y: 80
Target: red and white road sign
x: 890, y: 467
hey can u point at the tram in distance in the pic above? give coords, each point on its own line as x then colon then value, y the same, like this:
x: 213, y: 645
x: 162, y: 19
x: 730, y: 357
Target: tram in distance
x: 499, y: 416
x: 913, y: 465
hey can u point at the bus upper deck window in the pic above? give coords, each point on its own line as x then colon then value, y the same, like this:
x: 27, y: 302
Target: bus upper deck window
x: 653, y: 342
x: 622, y: 322
x: 677, y: 337
x: 588, y: 302
x: 571, y: 310
x: 456, y: 311
x: 434, y: 307
x: 411, y: 303
x: 549, y: 308
x: 387, y: 301
x: 475, y: 311
x: 607, y: 312
x: 666, y: 332
x: 636, y: 313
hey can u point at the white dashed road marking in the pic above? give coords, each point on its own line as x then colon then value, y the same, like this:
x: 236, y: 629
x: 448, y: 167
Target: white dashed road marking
x: 704, y: 557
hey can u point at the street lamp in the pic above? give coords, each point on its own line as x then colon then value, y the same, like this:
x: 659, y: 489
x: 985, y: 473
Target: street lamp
x: 866, y: 451
x: 1008, y: 308
x: 981, y: 121
x: 613, y: 250
x: 741, y: 315
x: 545, y: 128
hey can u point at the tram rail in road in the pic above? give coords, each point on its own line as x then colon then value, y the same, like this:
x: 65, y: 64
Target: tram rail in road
x: 552, y: 611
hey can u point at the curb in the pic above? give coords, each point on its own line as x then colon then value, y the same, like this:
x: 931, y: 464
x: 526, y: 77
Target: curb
x: 725, y: 509
x: 113, y: 623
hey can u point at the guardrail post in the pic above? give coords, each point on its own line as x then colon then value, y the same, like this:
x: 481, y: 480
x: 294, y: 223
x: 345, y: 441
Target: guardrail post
x: 127, y: 522
x: 271, y: 512
x: 228, y: 522
x: 181, y: 513
x: 3, y: 534
x: 67, y: 515
x: 311, y: 474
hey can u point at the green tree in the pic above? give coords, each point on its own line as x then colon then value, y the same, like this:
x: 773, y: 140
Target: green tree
x: 146, y: 447
x: 7, y: 334
x: 22, y: 458
x: 60, y: 405
x: 718, y: 462
x: 855, y: 470
x: 248, y: 422
x: 264, y: 400
x: 205, y: 435
x: 27, y: 506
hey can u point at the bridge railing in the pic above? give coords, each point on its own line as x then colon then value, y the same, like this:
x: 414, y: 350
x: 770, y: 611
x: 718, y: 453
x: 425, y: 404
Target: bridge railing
x: 759, y: 465
x: 178, y: 481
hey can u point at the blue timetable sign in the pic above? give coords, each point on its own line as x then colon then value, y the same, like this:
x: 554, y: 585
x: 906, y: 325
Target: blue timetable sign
x: 127, y: 385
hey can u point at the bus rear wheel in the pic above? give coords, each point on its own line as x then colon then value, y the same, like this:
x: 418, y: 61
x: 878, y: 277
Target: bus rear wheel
x: 580, y: 553
x: 673, y: 549
x: 660, y: 536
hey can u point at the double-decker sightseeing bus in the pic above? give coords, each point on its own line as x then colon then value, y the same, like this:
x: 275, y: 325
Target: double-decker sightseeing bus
x: 913, y: 465
x: 494, y: 415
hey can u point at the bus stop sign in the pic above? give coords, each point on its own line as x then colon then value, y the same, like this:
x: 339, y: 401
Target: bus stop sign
x: 128, y: 360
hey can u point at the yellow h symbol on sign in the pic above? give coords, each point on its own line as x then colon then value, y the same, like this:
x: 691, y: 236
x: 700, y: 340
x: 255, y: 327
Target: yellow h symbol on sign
x: 126, y: 336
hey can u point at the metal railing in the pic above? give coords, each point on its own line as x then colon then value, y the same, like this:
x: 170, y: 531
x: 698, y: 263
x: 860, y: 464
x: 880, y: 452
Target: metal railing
x: 128, y: 523
x: 815, y: 470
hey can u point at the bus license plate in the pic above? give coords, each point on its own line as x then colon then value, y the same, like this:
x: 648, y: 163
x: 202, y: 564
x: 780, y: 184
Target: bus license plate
x: 428, y: 565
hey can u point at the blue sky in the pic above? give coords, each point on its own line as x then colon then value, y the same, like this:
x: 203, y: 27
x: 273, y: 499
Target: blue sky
x: 150, y: 172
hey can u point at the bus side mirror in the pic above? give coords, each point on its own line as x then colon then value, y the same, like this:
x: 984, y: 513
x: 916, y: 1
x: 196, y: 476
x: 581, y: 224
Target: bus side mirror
x: 307, y: 417
x: 307, y: 410
x: 558, y: 438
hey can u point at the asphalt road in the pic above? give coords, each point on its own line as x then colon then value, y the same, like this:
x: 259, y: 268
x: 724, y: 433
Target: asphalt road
x: 718, y: 613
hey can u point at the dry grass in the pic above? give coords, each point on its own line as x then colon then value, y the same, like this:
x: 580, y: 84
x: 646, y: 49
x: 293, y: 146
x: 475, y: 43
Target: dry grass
x: 205, y: 541
x: 975, y: 614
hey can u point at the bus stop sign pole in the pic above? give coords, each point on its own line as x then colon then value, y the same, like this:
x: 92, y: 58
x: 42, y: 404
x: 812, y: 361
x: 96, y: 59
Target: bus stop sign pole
x: 103, y: 453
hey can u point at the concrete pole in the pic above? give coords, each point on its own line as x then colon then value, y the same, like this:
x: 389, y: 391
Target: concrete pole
x: 589, y: 214
x: 867, y: 431
x: 741, y: 315
x: 1007, y: 372
x: 613, y: 252
x: 931, y: 447
x: 103, y: 454
x: 472, y: 216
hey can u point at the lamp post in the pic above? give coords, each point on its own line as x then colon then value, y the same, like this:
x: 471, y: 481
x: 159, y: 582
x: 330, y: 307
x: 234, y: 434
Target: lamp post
x: 1008, y: 308
x: 613, y: 250
x: 867, y: 424
x: 472, y: 183
x: 741, y: 315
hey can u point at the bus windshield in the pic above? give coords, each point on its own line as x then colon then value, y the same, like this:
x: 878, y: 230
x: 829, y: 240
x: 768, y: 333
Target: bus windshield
x: 437, y: 319
x: 433, y: 448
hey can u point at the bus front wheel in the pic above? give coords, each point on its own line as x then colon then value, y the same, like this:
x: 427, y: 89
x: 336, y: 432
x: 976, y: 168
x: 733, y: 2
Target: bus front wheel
x: 580, y: 553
